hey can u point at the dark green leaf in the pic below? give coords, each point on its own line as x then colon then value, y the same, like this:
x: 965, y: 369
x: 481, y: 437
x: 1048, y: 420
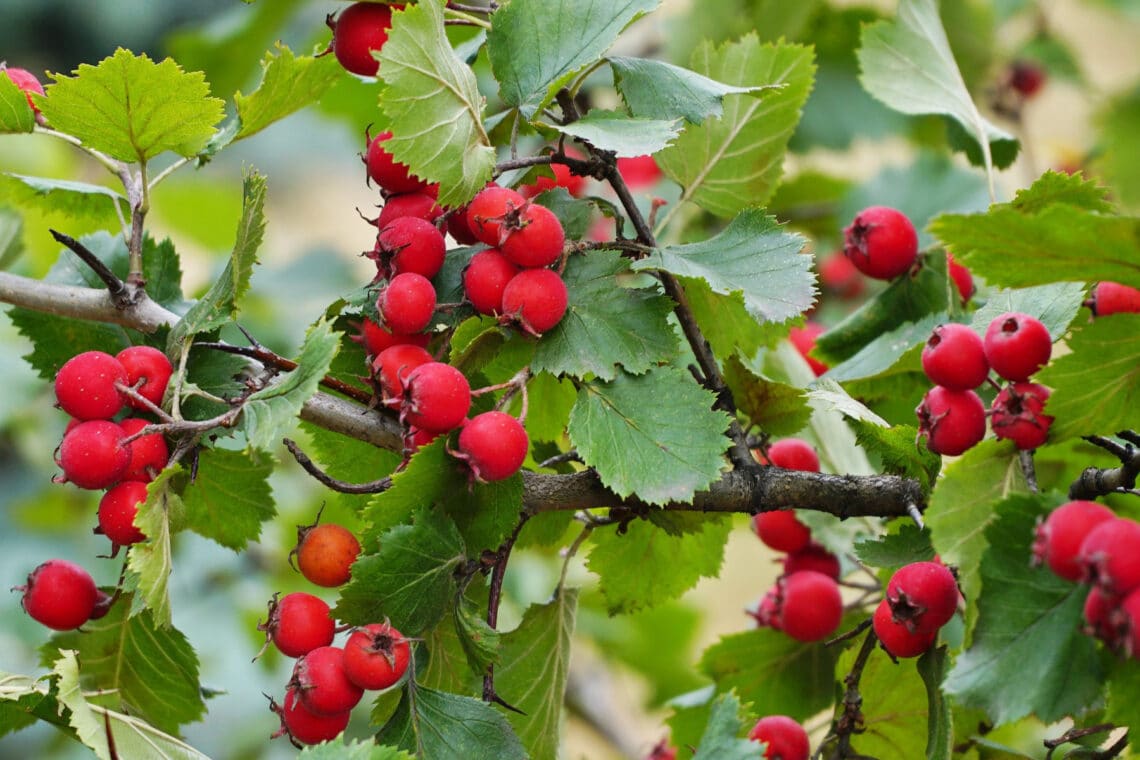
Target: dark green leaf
x: 230, y: 497
x: 624, y: 135
x: 893, y: 550
x: 778, y: 408
x: 1124, y: 698
x: 485, y: 513
x: 659, y: 90
x: 435, y: 725
x: 722, y: 737
x: 551, y: 401
x: 933, y: 667
x: 288, y: 84
x: 575, y: 214
x: 726, y: 323
x: 15, y: 113
x: 56, y: 339
x: 417, y: 485
x: 896, y: 448
x: 481, y: 643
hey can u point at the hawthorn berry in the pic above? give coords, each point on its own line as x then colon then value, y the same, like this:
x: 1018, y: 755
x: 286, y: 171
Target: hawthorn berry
x: 420, y: 204
x: 536, y: 299
x: 149, y: 453
x: 767, y: 611
x: 409, y: 244
x: 360, y: 30
x: 92, y: 455
x: 375, y: 338
x: 490, y: 209
x: 1026, y: 77
x: 785, y: 738
x: 494, y: 445
x: 900, y: 641
x: 960, y: 275
x: 1124, y: 625
x: 1098, y: 613
x: 1058, y: 538
x: 386, y: 171
x: 436, y: 397
x: 563, y: 177
x: 458, y: 227
x: 149, y: 365
x: 803, y: 339
x: 954, y: 358
x: 322, y: 683
x: 781, y: 530
x: 1110, y: 555
x: 535, y: 239
x: 1113, y: 298
x: 1017, y: 345
x: 376, y: 656
x: 325, y: 553
x: 810, y: 605
x: 304, y: 726
x: 812, y: 557
x: 298, y: 623
x: 59, y: 594
x: 391, y: 368
x: 923, y: 596
x: 85, y: 386
x: 881, y: 242
x: 117, y: 511
x: 485, y: 279
x: 1017, y: 415
x: 407, y: 303
x: 662, y: 750
x: 793, y: 454
x: 639, y: 172
x: 951, y: 421
x: 26, y: 81
x: 839, y: 276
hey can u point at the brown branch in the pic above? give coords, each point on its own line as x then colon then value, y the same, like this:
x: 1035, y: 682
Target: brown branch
x: 498, y: 571
x: 375, y: 486
x: 1097, y: 481
x: 1073, y: 734
x: 272, y: 359
x: 851, y: 721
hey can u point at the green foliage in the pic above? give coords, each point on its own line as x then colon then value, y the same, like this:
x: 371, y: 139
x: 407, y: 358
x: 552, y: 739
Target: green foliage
x: 430, y: 724
x: 778, y: 408
x: 624, y: 135
x: 288, y: 84
x: 721, y: 740
x: 659, y: 90
x: 78, y: 200
x: 15, y: 113
x: 356, y: 750
x: 908, y: 544
x: 230, y: 499
x: 151, y: 561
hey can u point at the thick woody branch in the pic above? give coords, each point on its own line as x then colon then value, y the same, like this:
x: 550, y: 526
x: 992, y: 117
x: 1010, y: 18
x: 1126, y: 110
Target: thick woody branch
x: 1097, y: 481
x: 83, y: 303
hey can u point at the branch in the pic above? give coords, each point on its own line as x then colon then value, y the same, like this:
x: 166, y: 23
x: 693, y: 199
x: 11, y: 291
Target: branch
x: 1096, y: 481
x: 118, y: 290
x: 93, y: 304
x: 375, y: 486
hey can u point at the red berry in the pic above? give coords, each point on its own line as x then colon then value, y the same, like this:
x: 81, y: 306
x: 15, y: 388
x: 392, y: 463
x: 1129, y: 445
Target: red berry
x: 951, y: 421
x: 767, y: 613
x: 420, y: 205
x: 298, y: 623
x: 306, y: 727
x: 494, y: 445
x: 1058, y: 539
x: 954, y: 358
x: 923, y: 595
x: 662, y: 750
x: 786, y: 739
x: 391, y: 368
x: 85, y: 386
x: 1017, y: 345
x: 360, y: 29
x: 376, y: 656
x: 803, y: 338
x: 1017, y: 415
x: 1026, y: 77
x: 881, y: 242
x: 639, y: 172
x: 325, y: 554
x: 810, y: 605
x: 149, y: 453
x: 488, y: 210
x: 407, y: 303
x: 92, y: 454
x: 793, y: 454
x: 149, y: 365
x: 117, y: 511
x: 839, y: 276
x: 536, y: 299
x: 59, y: 594
x: 1113, y: 298
x: 376, y: 338
x: 386, y: 171
x: 535, y: 239
x: 409, y: 244
x: 26, y: 81
x: 781, y: 530
x: 458, y: 228
x: 485, y: 279
x: 1110, y: 555
x: 322, y: 683
x: 1099, y: 610
x: 563, y: 177
x: 436, y: 397
x: 1124, y: 625
x: 963, y: 280
x: 812, y: 557
x: 899, y: 640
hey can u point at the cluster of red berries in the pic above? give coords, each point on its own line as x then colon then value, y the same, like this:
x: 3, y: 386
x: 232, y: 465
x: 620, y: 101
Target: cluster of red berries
x: 921, y: 598
x: 805, y: 602
x: 952, y: 416
x: 1086, y: 542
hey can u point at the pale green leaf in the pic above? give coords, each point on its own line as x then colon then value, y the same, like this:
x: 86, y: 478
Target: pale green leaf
x: 230, y: 498
x: 77, y: 200
x: 722, y: 737
x: 288, y: 84
x: 778, y: 408
x: 659, y: 90
x: 1056, y: 305
x: 152, y: 560
x: 480, y: 642
x: 624, y: 135
x: 932, y: 667
x: 15, y: 114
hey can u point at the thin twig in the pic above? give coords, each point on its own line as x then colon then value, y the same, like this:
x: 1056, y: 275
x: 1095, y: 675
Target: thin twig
x: 494, y: 598
x: 375, y: 486
x: 1025, y: 457
x: 1073, y: 734
x: 851, y: 721
x: 1096, y: 481
x: 567, y: 456
x: 120, y: 293
x: 271, y: 359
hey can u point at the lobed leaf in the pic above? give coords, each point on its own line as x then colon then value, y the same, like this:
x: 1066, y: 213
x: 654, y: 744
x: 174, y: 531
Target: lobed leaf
x: 893, y: 550
x: 159, y: 518
x: 229, y: 499
x: 288, y: 84
x: 659, y: 90
x: 722, y: 737
x: 432, y: 724
x: 778, y: 408
x: 340, y: 749
x: 77, y: 200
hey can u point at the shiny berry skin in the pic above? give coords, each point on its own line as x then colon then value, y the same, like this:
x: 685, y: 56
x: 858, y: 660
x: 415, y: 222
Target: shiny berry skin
x: 60, y: 595
x: 375, y: 338
x: 92, y: 454
x: 1058, y: 539
x: 810, y: 606
x: 780, y: 530
x: 386, y: 171
x: 1017, y: 414
x: 325, y: 554
x: 487, y: 212
x: 535, y: 239
x: 358, y: 31
x: 960, y: 275
x: 149, y: 365
x: 85, y: 386
x: 923, y: 596
x: 803, y: 338
x: 117, y: 511
x: 881, y: 242
x: 407, y: 303
x: 786, y: 739
x: 839, y: 277
x: 437, y: 397
x: 391, y: 368
x: 409, y: 244
x: 307, y: 727
x: 1017, y: 345
x: 26, y: 81
x: 951, y: 421
x: 322, y: 683
x: 485, y: 279
x: 954, y: 358
x: 639, y: 172
x: 536, y: 299
x: 1110, y: 556
x: 298, y: 623
x: 1099, y: 612
x: 376, y: 656
x: 494, y: 445
x: 899, y: 640
x: 149, y: 453
x: 812, y: 557
x: 420, y: 205
x: 1113, y: 298
x: 458, y: 228
x: 793, y: 454
x: 563, y: 177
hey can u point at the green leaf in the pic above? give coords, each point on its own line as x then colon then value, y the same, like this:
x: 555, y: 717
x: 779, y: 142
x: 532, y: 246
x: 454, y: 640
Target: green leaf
x: 896, y: 449
x: 754, y: 256
x: 780, y: 409
x: 726, y: 323
x: 220, y: 304
x: 481, y: 643
x: 435, y: 725
x: 410, y: 580
x: 623, y: 325
x: 152, y: 560
x: 932, y: 667
x: 1123, y: 707
x: 349, y: 460
x: 893, y: 550
x: 230, y: 497
x: 894, y: 708
x: 1120, y: 119
x: 908, y: 65
x: 728, y: 164
x: 721, y: 739
x: 887, y: 350
x: 132, y: 108
x: 773, y: 673
x: 413, y: 487
x: 667, y: 565
x: 1029, y: 655
x: 624, y: 135
x: 55, y: 339
x: 485, y: 514
x: 288, y: 84
x: 338, y: 749
x: 1057, y: 187
x: 1055, y: 305
x: 659, y: 90
x: 1096, y: 387
x: 144, y: 668
x: 533, y: 671
x: 536, y: 47
x: 575, y: 214
x: 274, y: 409
x: 15, y: 113
x: 77, y: 200
x: 654, y: 435
x: 434, y: 105
x: 551, y: 401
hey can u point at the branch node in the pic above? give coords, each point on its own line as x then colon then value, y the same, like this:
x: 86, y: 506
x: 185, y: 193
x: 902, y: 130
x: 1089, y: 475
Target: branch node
x: 120, y: 293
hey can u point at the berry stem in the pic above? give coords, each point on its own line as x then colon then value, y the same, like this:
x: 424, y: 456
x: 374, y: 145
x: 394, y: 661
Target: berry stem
x: 375, y: 486
x: 1025, y: 458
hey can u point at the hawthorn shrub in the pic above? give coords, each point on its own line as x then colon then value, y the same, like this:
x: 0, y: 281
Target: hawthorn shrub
x: 586, y: 391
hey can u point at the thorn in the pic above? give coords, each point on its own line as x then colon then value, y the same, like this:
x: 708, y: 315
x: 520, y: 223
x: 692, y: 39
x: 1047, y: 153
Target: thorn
x: 915, y: 515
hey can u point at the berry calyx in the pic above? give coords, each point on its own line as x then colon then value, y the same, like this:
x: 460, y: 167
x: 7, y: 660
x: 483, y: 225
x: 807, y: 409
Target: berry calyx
x: 1017, y: 414
x: 149, y: 453
x: 923, y: 596
x: 376, y: 656
x: 322, y: 683
x: 151, y: 367
x: 951, y: 421
x: 391, y: 369
x: 1017, y: 345
x: 881, y: 242
x: 407, y: 303
x: 810, y: 605
x: 536, y: 299
x: 485, y: 279
x: 436, y: 397
x: 954, y: 358
x: 1113, y: 298
x: 490, y: 209
x: 303, y: 726
x: 298, y: 623
x: 1058, y: 539
x: 325, y: 553
x: 360, y: 29
x: 781, y: 530
x: 897, y: 638
x: 785, y: 738
x: 1110, y: 556
x: 803, y: 338
x: 494, y: 445
x: 535, y: 239
x: 92, y: 455
x: 409, y: 244
x: 386, y: 171
x: 117, y: 511
x: 59, y: 594
x: 85, y: 386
